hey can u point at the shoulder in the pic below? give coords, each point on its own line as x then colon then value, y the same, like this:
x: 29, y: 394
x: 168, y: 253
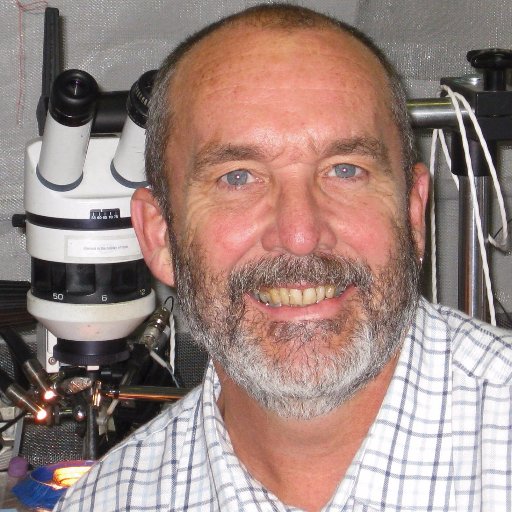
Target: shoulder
x: 479, y: 350
x: 138, y: 463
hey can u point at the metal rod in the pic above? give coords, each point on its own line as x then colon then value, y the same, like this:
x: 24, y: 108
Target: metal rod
x: 433, y: 113
x: 157, y: 393
x: 91, y: 439
x: 472, y: 296
x: 472, y: 293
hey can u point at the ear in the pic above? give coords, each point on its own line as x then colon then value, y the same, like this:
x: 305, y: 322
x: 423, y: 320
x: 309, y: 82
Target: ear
x: 151, y: 230
x: 418, y: 199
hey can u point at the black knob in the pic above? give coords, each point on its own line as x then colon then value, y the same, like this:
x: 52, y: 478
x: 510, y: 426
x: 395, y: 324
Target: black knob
x: 494, y: 63
x: 18, y: 220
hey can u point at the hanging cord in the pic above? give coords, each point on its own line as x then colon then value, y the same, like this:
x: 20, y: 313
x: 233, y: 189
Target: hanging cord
x: 456, y: 98
x: 433, y: 244
x: 476, y: 208
x: 9, y: 423
x: 492, y: 170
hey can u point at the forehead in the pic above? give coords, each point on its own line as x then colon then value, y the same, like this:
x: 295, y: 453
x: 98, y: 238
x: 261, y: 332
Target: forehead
x: 287, y: 80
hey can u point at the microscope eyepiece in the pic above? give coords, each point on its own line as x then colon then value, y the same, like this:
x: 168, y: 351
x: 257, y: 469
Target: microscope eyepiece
x: 73, y: 98
x: 138, y: 99
x: 128, y: 163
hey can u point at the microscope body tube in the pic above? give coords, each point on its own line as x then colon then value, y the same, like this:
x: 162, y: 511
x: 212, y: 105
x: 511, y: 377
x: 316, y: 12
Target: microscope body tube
x: 63, y: 146
x: 128, y: 162
x: 90, y: 286
x: 67, y: 130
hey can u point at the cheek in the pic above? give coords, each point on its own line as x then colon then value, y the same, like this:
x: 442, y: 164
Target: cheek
x: 224, y: 236
x: 368, y: 231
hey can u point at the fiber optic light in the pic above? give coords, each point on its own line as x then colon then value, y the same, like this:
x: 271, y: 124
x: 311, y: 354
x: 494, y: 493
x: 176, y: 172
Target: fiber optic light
x: 67, y: 476
x: 41, y: 415
x: 49, y: 395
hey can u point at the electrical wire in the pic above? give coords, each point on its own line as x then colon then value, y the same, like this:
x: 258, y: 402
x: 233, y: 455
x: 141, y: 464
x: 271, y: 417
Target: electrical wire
x: 433, y: 244
x: 10, y: 423
x: 492, y: 170
x: 500, y: 230
x: 164, y: 364
x: 456, y: 98
x: 476, y: 208
x: 169, y: 366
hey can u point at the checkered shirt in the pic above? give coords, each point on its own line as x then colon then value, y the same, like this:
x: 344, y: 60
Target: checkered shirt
x: 442, y: 440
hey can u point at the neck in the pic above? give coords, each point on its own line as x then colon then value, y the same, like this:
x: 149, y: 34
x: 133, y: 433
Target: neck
x: 283, y: 453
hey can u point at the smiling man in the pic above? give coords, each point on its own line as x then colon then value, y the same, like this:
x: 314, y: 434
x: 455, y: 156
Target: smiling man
x: 287, y: 208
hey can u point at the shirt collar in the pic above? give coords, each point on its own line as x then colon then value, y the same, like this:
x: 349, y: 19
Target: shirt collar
x: 406, y: 460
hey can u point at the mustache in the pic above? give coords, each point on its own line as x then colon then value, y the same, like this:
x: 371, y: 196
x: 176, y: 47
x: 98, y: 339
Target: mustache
x: 314, y: 269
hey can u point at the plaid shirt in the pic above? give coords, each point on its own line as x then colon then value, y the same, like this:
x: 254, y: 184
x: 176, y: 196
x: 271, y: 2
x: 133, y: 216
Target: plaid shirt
x: 442, y: 440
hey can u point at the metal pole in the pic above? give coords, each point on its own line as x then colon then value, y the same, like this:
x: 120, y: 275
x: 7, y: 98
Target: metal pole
x: 472, y: 296
x: 91, y: 440
x: 433, y: 113
x: 472, y: 293
x: 158, y: 393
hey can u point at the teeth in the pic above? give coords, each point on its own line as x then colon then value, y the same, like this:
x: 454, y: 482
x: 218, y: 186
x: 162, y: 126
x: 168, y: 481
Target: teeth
x: 265, y: 297
x: 285, y: 296
x: 309, y: 296
x: 275, y: 296
x: 295, y: 297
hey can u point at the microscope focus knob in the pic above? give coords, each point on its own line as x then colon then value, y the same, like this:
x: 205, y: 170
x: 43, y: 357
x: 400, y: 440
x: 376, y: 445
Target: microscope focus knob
x: 494, y: 63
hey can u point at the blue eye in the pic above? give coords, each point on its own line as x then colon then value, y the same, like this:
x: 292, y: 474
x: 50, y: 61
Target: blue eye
x: 344, y: 170
x: 237, y: 178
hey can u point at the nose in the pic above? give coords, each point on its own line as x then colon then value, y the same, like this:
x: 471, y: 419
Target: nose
x: 299, y: 225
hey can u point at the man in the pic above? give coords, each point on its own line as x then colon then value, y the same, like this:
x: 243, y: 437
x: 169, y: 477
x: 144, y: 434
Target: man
x: 287, y: 208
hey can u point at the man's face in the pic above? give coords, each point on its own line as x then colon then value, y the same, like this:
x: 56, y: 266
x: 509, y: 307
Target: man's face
x: 290, y: 231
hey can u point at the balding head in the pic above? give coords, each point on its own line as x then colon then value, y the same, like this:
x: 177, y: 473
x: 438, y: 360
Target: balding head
x: 273, y: 18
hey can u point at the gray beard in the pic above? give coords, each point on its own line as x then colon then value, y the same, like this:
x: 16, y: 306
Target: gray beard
x: 328, y: 373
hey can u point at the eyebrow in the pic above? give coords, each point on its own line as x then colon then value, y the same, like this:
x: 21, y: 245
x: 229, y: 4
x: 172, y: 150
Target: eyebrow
x: 365, y: 146
x: 215, y: 154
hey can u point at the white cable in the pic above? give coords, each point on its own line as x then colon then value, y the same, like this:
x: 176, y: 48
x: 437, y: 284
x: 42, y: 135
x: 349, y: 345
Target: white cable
x: 492, y: 171
x: 447, y: 157
x: 476, y: 208
x: 162, y: 363
x: 433, y: 244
